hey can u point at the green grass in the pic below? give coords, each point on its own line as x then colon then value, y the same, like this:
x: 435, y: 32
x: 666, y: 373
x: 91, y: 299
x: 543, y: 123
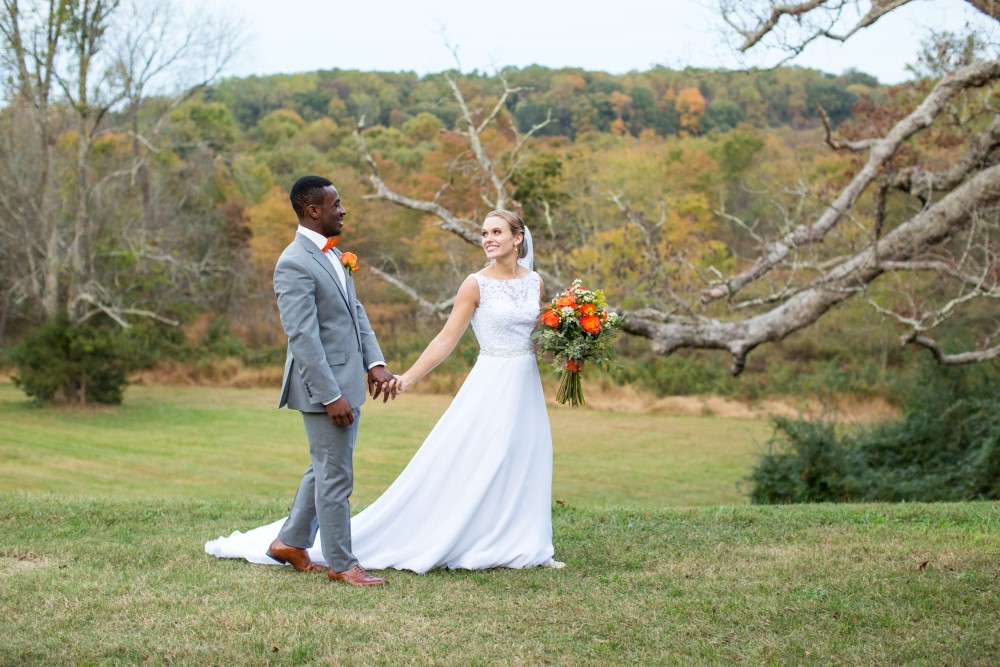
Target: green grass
x: 104, y: 514
x: 233, y: 443
x: 125, y: 581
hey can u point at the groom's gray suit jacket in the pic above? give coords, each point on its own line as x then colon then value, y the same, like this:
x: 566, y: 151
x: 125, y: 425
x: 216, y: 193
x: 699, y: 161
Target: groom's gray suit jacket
x: 330, y: 341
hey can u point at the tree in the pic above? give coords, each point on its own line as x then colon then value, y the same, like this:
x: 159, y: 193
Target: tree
x: 80, y: 136
x: 690, y: 105
x: 914, y: 213
x: 905, y: 218
x: 95, y: 208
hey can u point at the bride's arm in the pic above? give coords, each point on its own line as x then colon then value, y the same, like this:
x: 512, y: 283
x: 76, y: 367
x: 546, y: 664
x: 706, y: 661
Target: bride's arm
x: 438, y: 349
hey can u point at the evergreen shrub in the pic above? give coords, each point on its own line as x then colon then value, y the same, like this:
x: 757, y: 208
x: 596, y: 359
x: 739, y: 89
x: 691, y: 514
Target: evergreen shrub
x: 944, y: 447
x: 73, y: 363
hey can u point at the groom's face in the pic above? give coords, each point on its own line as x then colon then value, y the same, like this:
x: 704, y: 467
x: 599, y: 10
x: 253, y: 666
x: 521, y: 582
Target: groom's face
x: 331, y: 213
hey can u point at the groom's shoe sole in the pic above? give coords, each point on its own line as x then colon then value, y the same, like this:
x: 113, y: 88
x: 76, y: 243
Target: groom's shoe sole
x: 308, y: 566
x: 313, y: 567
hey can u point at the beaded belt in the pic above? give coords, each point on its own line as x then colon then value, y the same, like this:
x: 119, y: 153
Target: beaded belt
x: 507, y: 353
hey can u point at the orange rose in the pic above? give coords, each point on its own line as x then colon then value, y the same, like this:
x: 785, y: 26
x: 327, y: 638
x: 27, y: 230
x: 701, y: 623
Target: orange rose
x: 350, y: 261
x: 566, y: 302
x: 591, y: 324
x: 572, y: 366
x: 588, y: 309
x: 550, y: 319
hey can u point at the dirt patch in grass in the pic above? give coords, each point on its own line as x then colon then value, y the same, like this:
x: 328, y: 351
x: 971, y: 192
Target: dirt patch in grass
x: 847, y: 409
x: 17, y: 563
x: 230, y: 372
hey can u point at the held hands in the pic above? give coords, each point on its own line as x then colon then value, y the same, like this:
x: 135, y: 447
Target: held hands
x: 402, y: 385
x: 381, y: 381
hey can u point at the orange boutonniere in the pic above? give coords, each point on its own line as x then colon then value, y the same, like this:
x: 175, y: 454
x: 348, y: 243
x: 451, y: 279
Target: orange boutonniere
x: 350, y: 261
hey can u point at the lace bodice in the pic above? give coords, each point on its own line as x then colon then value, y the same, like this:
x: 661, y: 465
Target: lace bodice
x: 507, y: 314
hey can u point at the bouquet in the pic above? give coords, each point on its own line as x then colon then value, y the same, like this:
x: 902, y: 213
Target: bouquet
x: 575, y: 327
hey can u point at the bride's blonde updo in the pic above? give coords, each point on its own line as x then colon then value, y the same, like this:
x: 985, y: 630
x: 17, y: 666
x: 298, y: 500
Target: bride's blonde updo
x: 516, y: 227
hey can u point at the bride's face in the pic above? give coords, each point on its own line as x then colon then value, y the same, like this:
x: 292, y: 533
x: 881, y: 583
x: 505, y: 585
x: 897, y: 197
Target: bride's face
x: 497, y: 238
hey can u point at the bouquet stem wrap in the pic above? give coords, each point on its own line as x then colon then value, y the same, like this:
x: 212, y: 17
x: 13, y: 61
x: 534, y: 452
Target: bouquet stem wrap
x: 570, y: 389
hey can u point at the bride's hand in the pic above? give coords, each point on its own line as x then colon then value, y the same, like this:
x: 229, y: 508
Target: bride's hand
x: 401, y: 384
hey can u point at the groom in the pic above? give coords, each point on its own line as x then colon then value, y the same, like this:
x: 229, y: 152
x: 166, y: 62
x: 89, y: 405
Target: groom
x: 330, y: 347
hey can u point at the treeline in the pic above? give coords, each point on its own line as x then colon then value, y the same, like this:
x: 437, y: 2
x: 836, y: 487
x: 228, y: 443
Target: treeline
x: 662, y: 101
x: 693, y: 146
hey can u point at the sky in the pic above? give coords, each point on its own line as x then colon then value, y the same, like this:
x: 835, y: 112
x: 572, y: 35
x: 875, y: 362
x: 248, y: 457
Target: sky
x: 616, y: 36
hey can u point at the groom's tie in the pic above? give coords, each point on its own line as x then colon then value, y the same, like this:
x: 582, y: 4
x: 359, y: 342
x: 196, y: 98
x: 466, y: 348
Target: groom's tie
x: 331, y: 242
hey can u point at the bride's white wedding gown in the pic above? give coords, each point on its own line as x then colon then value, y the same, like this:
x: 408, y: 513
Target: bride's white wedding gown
x: 478, y: 492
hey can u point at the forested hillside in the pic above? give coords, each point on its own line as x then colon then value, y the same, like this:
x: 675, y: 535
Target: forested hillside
x: 696, y: 148
x: 647, y: 184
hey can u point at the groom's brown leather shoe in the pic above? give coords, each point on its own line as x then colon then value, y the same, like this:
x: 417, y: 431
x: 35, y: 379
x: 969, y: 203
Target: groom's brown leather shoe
x: 356, y: 576
x: 297, y: 557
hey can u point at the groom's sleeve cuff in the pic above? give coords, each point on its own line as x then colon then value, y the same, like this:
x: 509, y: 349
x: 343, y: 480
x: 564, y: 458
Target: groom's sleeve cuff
x: 377, y: 363
x: 332, y: 400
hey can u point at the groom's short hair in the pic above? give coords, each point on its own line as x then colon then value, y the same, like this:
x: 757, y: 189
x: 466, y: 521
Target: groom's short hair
x: 307, y: 190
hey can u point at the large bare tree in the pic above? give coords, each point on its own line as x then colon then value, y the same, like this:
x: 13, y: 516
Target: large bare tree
x: 909, y: 215
x: 78, y: 132
x: 493, y: 174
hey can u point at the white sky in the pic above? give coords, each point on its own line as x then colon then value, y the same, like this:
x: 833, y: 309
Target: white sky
x: 285, y: 36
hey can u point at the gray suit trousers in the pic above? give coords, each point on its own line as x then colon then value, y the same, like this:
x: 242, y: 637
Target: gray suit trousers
x: 322, y: 501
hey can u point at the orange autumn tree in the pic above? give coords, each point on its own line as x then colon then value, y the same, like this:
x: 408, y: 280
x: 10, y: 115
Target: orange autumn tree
x: 271, y: 225
x: 690, y: 105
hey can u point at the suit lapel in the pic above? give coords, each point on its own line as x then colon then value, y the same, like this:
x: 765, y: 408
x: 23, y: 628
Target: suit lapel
x: 324, y: 262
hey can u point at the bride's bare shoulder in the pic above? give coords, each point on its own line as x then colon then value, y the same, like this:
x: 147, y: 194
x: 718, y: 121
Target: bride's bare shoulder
x: 469, y: 288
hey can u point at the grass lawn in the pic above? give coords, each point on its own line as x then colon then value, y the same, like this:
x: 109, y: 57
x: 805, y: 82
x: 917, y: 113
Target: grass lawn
x: 87, y: 580
x: 234, y: 443
x: 104, y: 514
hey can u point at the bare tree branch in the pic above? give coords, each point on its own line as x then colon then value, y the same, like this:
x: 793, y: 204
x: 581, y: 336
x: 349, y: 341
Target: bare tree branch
x: 922, y: 183
x: 838, y: 144
x: 441, y: 308
x: 740, y: 337
x: 472, y: 132
x: 881, y: 152
x: 446, y: 219
x: 943, y: 268
x: 117, y: 314
x: 762, y: 26
x: 957, y: 359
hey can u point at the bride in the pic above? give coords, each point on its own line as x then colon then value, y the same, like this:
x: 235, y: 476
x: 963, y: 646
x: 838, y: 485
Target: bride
x: 478, y: 492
